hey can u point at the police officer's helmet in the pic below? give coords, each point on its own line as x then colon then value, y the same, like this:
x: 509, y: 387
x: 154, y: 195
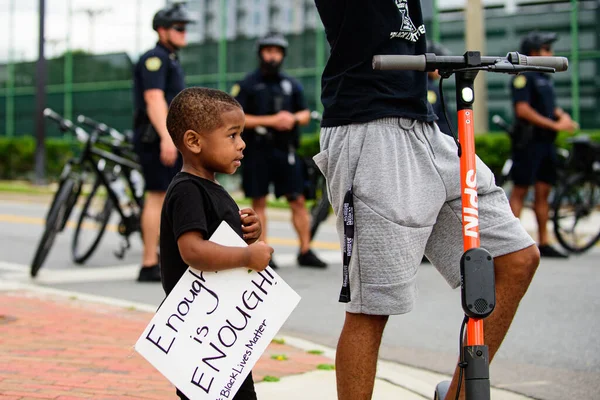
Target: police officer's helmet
x: 535, y: 40
x: 272, y: 39
x: 171, y: 14
x: 437, y: 49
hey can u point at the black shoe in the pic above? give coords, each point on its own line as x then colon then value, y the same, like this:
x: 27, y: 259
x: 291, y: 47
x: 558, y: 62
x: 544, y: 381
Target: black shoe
x: 309, y: 259
x: 149, y: 274
x: 272, y: 264
x: 550, y: 252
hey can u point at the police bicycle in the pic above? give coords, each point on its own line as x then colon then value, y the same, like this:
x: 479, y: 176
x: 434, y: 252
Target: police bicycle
x: 74, y: 177
x: 575, y: 200
x: 476, y: 265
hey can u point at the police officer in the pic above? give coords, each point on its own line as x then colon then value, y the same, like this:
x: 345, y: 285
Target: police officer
x: 433, y: 88
x: 538, y: 120
x: 158, y: 77
x: 275, y: 108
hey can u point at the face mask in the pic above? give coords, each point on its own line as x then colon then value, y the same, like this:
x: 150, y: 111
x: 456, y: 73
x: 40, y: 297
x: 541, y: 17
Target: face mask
x: 270, y: 68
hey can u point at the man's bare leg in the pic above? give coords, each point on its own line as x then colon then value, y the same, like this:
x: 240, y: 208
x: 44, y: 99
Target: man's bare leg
x: 517, y: 198
x: 541, y: 208
x: 513, y: 273
x: 301, y: 222
x: 356, y: 357
x: 259, y: 204
x: 150, y: 222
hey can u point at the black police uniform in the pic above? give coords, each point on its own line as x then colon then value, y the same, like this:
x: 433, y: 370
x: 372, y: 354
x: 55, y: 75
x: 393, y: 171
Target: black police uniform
x: 534, y: 154
x: 434, y: 98
x: 158, y: 68
x: 270, y: 155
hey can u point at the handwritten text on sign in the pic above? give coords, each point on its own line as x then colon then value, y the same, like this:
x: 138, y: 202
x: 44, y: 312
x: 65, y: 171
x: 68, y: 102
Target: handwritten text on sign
x: 213, y: 327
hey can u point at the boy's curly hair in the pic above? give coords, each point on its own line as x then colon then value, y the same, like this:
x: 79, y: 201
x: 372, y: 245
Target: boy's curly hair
x: 198, y: 109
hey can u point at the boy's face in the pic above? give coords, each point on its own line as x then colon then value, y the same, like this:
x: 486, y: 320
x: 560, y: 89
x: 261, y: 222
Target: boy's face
x: 221, y: 150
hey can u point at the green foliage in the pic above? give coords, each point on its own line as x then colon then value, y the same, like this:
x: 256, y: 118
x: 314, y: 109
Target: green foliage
x: 269, y: 378
x: 17, y: 157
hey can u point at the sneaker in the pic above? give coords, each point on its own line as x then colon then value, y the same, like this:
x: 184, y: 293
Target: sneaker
x: 149, y: 274
x: 310, y: 259
x: 550, y: 252
x: 272, y: 264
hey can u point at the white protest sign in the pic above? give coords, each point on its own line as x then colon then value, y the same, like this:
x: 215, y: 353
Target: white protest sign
x: 214, y: 326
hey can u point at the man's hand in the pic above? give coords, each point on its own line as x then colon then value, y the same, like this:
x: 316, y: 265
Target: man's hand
x: 258, y: 255
x: 284, y: 121
x: 168, y: 152
x: 565, y: 123
x: 250, y: 225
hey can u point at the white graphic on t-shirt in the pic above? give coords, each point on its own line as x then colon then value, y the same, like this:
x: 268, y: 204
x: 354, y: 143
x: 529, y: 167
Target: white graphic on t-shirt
x: 407, y: 24
x: 408, y: 30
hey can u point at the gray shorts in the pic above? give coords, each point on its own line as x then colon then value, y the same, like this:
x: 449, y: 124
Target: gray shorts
x: 405, y: 176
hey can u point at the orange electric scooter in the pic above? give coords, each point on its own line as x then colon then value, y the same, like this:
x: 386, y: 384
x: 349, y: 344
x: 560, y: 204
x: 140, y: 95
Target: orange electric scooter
x: 476, y: 265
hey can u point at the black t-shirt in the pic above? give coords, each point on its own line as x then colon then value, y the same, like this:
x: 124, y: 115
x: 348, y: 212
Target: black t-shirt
x: 356, y: 31
x: 261, y: 95
x: 536, y: 89
x: 191, y: 204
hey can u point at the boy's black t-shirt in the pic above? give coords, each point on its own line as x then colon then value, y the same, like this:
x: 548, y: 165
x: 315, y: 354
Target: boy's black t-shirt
x: 356, y: 31
x: 191, y: 204
x: 195, y: 204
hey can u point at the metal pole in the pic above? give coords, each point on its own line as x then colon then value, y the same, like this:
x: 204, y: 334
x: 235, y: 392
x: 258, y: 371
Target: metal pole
x: 574, y: 61
x: 68, y: 68
x: 475, y: 41
x: 138, y: 7
x: 319, y: 63
x: 10, y: 82
x: 40, y: 149
x: 222, y: 63
x: 435, y: 22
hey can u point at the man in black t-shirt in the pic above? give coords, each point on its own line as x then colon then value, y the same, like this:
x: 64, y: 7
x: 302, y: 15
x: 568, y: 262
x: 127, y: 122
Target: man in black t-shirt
x: 396, y: 178
x: 206, y: 126
x: 534, y: 152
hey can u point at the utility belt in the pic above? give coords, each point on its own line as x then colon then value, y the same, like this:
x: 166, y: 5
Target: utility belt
x: 522, y: 134
x: 144, y: 129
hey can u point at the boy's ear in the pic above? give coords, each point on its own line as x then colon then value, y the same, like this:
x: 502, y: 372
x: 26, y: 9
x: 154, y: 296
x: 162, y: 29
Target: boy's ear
x: 191, y: 140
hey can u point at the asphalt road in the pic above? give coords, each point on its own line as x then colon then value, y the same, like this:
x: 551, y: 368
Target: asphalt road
x: 552, y: 350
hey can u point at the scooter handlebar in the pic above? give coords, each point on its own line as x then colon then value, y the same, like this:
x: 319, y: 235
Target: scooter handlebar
x: 430, y: 62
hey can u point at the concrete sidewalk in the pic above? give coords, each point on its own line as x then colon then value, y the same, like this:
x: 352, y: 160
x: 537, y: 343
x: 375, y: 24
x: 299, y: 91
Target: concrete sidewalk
x: 67, y: 346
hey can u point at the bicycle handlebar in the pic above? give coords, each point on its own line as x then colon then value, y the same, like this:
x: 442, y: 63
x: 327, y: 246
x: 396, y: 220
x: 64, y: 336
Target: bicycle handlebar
x: 512, y: 63
x: 66, y: 125
x: 101, y: 127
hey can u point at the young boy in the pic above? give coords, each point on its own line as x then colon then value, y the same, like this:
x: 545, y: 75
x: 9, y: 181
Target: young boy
x: 205, y: 125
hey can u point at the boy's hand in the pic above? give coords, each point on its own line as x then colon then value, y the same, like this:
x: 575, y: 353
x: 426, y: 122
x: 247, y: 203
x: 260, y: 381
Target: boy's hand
x: 259, y: 255
x: 250, y: 225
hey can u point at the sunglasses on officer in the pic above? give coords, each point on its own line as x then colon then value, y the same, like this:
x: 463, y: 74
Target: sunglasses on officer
x: 179, y: 28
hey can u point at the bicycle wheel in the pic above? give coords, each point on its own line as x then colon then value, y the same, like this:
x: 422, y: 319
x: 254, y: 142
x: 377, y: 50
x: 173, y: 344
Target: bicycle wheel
x: 54, y: 223
x: 320, y: 211
x: 577, y: 215
x: 91, y: 224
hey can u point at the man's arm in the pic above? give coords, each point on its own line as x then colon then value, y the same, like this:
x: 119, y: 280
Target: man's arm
x: 157, y: 109
x: 282, y: 121
x: 302, y: 117
x: 524, y: 111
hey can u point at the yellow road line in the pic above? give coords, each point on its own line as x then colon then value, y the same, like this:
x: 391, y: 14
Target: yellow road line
x: 22, y: 219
